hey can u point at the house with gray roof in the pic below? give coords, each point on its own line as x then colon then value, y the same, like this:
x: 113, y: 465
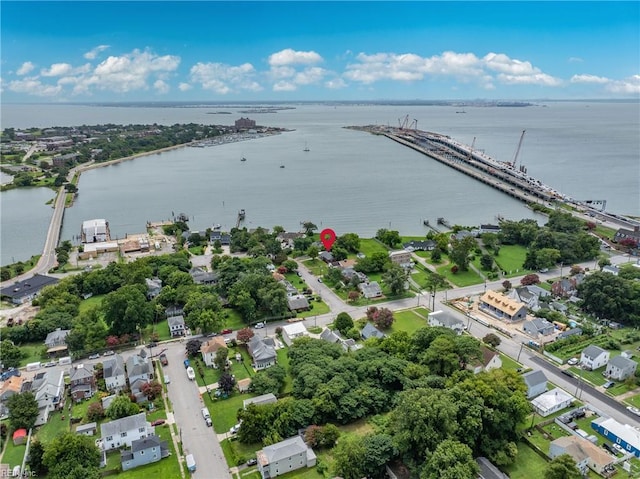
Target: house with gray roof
x: 538, y: 327
x: 176, y: 326
x: 22, y: 291
x: 154, y: 286
x: 620, y: 368
x: 426, y: 245
x: 114, y: 374
x: 488, y: 470
x: 284, y: 456
x: 88, y: 429
x: 56, y: 341
x: 370, y: 290
x: 536, y: 383
x: 594, y: 357
x: 202, y: 276
x: 570, y: 332
x: 82, y: 382
x: 261, y: 400
x: 335, y: 338
x: 370, y: 331
x: 446, y: 320
x: 262, y: 353
x: 122, y: 432
x: 298, y: 303
x: 139, y: 371
x: 48, y: 387
x: 144, y: 451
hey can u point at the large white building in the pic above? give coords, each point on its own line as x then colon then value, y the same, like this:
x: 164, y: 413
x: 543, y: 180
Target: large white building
x: 95, y: 231
x: 552, y: 401
x: 293, y: 331
x: 122, y: 432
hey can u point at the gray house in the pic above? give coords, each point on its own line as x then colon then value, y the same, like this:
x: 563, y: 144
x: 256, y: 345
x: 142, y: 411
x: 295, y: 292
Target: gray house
x: 594, y: 357
x: 139, y: 371
x: 122, y: 432
x: 262, y: 352
x: 620, y: 368
x: 285, y: 456
x: 370, y: 290
x: 536, y: 383
x: 176, y: 326
x: 370, y: 331
x: 56, y: 341
x: 144, y: 451
x: 445, y: 320
x: 114, y: 374
x: 537, y: 327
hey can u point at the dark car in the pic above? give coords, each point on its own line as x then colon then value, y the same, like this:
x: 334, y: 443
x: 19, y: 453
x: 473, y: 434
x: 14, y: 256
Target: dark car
x: 152, y: 344
x: 158, y: 422
x: 252, y: 462
x: 226, y: 331
x: 566, y: 372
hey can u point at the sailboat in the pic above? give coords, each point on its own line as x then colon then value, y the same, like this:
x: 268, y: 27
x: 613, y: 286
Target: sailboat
x: 306, y: 148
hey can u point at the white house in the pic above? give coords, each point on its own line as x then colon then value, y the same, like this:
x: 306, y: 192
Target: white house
x: 620, y: 368
x: 210, y: 348
x: 489, y: 360
x: 536, y: 383
x: 48, y: 388
x: 594, y: 357
x: 585, y: 453
x: 95, y: 231
x: 552, y: 401
x: 176, y: 326
x: 114, y: 374
x: 445, y: 320
x: 285, y: 456
x: 261, y: 400
x: 122, y: 432
x: 293, y: 331
x: 139, y: 371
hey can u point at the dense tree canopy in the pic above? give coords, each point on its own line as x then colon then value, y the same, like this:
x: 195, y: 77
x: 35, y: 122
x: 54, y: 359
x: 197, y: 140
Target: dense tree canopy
x: 127, y: 310
x: 23, y: 410
x: 72, y: 456
x: 611, y: 297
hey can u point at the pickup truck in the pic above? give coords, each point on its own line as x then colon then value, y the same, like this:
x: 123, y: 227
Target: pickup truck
x: 191, y: 374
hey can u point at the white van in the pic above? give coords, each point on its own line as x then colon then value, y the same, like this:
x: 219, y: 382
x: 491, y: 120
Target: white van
x: 33, y: 366
x: 65, y: 360
x: 191, y: 463
x: 206, y: 416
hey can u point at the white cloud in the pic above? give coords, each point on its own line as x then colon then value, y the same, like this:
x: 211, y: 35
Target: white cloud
x: 161, y: 86
x: 25, y: 68
x: 33, y: 86
x: 184, y: 87
x: 589, y: 79
x: 56, y: 70
x: 292, y: 57
x: 310, y: 76
x: 92, y: 54
x: 575, y: 60
x: 223, y: 79
x: 284, y: 86
x: 335, y: 84
x: 628, y: 86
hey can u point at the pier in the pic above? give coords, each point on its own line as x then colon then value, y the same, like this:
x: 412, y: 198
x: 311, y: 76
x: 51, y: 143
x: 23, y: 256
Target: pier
x: 241, y: 216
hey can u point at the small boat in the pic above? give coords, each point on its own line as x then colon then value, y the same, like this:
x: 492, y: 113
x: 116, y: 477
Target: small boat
x: 306, y: 148
x: 281, y: 166
x: 243, y: 159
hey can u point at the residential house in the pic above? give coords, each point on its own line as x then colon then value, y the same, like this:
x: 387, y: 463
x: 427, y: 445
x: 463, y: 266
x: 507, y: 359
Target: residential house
x: 446, y: 320
x: 82, y: 382
x: 536, y: 383
x: 426, y: 245
x: 284, y: 456
x: 462, y: 234
x: 559, y: 307
x: 502, y: 307
x: 22, y: 291
x: 631, y: 235
x: 538, y: 327
x: 202, y: 276
x: 139, y: 372
x: 348, y: 274
x: 326, y: 256
x: 48, y: 387
x: 569, y: 332
x: 154, y: 286
x: 298, y: 303
x: 567, y: 287
x: 335, y: 338
x: 529, y: 295
x: 401, y: 258
x: 89, y: 429
x: 287, y: 238
x: 262, y: 352
x: 495, y: 229
x: 177, y: 327
x: 594, y: 357
x: 625, y: 435
x: 620, y: 368
x: 290, y: 289
x: 370, y: 331
x: 56, y: 341
x: 489, y: 360
x: 122, y: 432
x: 551, y: 401
x: 585, y: 453
x: 243, y: 385
x: 217, y: 235
x: 114, y: 373
x: 210, y: 348
x: 11, y: 386
x: 261, y: 400
x: 293, y: 331
x: 370, y: 290
x: 174, y: 310
x: 614, y: 270
x: 488, y: 470
x: 144, y: 451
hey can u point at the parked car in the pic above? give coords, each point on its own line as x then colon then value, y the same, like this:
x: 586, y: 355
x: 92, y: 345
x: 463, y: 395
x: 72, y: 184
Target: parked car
x: 163, y: 359
x: 234, y: 429
x: 50, y: 364
x: 607, y: 385
x: 108, y: 353
x: 226, y: 331
x: 319, y: 280
x: 634, y: 410
x: 618, y: 448
x: 152, y: 344
x: 573, y: 361
x: 259, y: 325
x: 252, y: 462
x: 158, y: 422
x: 94, y: 356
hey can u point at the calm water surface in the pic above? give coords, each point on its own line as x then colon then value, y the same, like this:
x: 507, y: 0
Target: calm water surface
x: 350, y: 181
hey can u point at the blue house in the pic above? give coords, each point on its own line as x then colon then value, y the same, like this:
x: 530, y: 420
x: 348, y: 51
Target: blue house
x: 144, y: 451
x: 627, y: 437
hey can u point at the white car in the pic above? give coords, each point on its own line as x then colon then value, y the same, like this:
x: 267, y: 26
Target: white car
x: 259, y: 325
x: 634, y: 410
x: 234, y: 429
x: 572, y: 361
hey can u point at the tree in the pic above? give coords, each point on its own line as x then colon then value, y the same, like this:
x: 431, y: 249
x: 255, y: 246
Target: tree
x: 10, y: 354
x: 244, y: 335
x: 95, y: 412
x: 226, y: 382
x: 396, y: 279
x: 353, y: 296
x: 450, y: 460
x: 486, y: 261
x: 343, y: 323
x: 222, y: 356
x: 383, y: 318
x: 547, y: 258
x: 349, y: 241
x: 36, y: 453
x: 23, y: 410
x: 506, y: 284
x: 193, y: 347
x: 121, y: 406
x: 530, y: 279
x: 604, y: 261
x: 562, y: 467
x: 72, y: 456
x: 309, y: 228
x: 460, y: 250
x: 126, y: 310
x: 151, y: 389
x: 614, y: 297
x: 389, y: 238
x: 348, y: 456
x: 492, y: 340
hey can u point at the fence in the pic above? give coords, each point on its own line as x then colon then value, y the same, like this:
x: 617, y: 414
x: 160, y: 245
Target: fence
x: 553, y: 357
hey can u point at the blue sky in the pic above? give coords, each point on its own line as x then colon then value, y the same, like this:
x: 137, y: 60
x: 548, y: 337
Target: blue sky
x: 307, y: 51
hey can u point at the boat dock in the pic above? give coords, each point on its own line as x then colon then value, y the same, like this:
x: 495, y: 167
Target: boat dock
x: 241, y: 216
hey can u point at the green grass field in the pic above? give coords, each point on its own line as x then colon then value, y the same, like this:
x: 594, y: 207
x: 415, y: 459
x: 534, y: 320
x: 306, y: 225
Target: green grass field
x: 408, y: 321
x: 368, y: 246
x: 508, y: 363
x: 511, y: 258
x: 316, y: 266
x: 319, y: 307
x: 89, y: 302
x: 594, y: 377
x: 224, y: 411
x: 528, y: 464
x: 283, y: 360
x: 461, y: 278
x: 633, y: 400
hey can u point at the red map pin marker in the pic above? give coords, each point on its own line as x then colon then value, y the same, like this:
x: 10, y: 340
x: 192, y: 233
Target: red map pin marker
x: 328, y: 237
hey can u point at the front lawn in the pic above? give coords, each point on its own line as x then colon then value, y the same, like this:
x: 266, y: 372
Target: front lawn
x: 31, y: 353
x: 633, y: 401
x: 409, y: 321
x: 95, y: 300
x: 461, y: 278
x: 316, y: 266
x: 594, y: 377
x: 511, y: 258
x: 508, y: 363
x: 237, y: 453
x: 224, y: 411
x: 319, y: 307
x: 528, y: 464
x: 283, y: 360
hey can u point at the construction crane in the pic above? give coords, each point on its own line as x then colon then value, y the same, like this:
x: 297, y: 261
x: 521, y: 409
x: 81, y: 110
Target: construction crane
x: 473, y: 143
x: 414, y: 125
x: 515, y: 157
x: 403, y: 122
